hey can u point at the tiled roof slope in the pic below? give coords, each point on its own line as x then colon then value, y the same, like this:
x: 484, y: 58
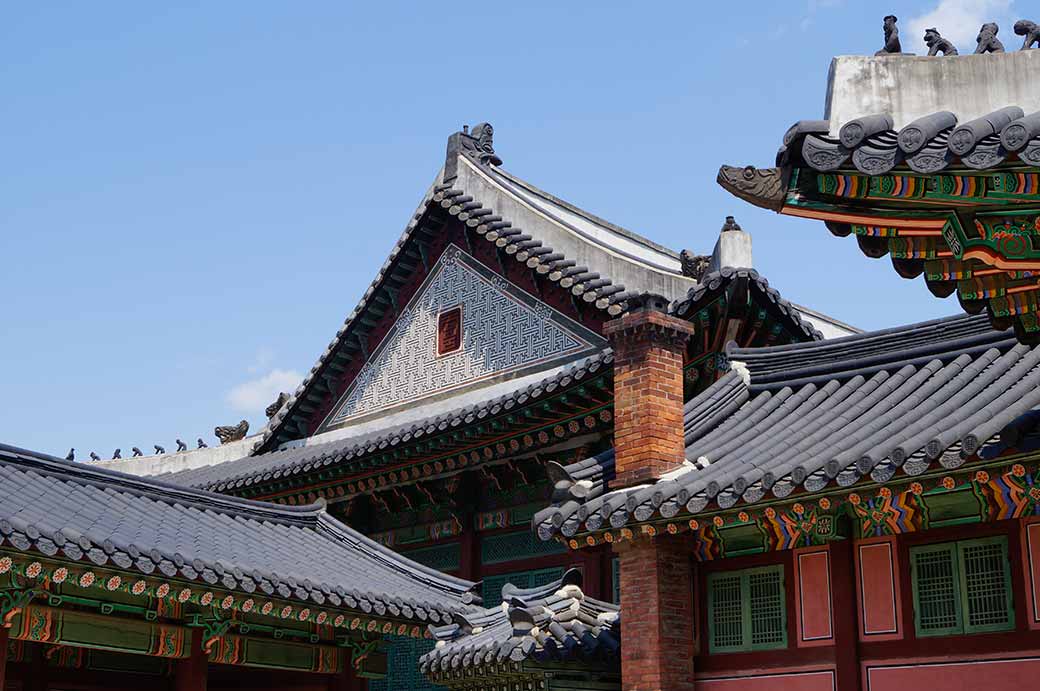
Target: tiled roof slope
x: 226, y: 477
x: 554, y: 622
x: 715, y: 283
x: 926, y: 145
x: 809, y: 415
x: 53, y: 506
x: 569, y: 247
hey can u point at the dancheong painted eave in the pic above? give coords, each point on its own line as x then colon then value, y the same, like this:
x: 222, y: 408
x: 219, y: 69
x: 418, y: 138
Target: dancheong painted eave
x: 951, y: 194
x: 104, y: 520
x: 796, y: 420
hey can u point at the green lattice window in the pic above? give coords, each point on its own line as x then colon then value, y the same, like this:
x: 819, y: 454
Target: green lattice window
x: 523, y: 544
x: 747, y: 610
x: 440, y: 557
x: 492, y: 590
x: 962, y: 587
x: 402, y: 666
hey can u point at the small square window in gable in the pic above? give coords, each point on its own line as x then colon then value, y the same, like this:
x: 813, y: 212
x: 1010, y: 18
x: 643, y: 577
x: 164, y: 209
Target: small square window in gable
x: 449, y: 331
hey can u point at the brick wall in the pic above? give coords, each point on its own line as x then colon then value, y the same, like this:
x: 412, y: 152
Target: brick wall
x: 657, y: 615
x: 648, y: 393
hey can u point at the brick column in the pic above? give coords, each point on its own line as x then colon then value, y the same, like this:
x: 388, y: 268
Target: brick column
x: 648, y: 348
x: 656, y: 614
x: 191, y: 672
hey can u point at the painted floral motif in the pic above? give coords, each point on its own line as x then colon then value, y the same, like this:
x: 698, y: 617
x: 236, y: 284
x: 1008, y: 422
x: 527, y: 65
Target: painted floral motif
x: 885, y: 492
x: 948, y: 482
x: 286, y: 611
x: 825, y: 503
x: 322, y: 616
x: 854, y: 499
x: 206, y: 599
x: 5, y: 565
x: 247, y: 606
x: 87, y: 579
x: 138, y: 587
x: 113, y: 582
x: 743, y: 517
x: 303, y: 614
x: 982, y: 477
x: 184, y: 595
x: 33, y: 570
x: 163, y: 590
x: 1019, y: 470
x: 916, y: 487
x: 266, y: 609
x: 338, y: 621
x: 59, y: 575
x: 227, y: 602
x: 718, y: 521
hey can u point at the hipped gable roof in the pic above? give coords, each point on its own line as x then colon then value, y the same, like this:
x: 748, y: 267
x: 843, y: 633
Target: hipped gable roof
x: 59, y: 508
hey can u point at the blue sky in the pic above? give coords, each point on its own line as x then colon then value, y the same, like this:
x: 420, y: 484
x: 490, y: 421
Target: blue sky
x: 195, y: 195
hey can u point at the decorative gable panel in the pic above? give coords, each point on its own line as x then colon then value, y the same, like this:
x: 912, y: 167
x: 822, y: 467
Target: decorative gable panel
x: 465, y: 325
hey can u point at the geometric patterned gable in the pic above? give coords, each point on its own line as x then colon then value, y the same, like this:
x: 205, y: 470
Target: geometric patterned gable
x: 484, y: 328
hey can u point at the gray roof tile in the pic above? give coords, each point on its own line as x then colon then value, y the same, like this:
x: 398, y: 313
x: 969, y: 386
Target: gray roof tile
x: 814, y: 414
x: 140, y: 524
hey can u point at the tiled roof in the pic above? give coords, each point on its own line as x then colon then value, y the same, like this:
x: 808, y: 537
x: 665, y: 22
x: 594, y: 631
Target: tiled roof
x: 815, y: 414
x: 549, y: 623
x: 714, y: 283
x: 53, y: 507
x: 473, y: 207
x: 231, y: 475
x: 926, y: 145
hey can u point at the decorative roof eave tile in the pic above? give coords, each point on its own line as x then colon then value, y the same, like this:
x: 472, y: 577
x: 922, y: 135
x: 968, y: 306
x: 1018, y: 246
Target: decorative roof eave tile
x: 153, y: 530
x: 297, y: 464
x: 551, y: 623
x: 583, y: 284
x: 819, y: 416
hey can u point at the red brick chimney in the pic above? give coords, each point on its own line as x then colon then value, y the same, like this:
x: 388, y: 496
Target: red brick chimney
x: 648, y: 348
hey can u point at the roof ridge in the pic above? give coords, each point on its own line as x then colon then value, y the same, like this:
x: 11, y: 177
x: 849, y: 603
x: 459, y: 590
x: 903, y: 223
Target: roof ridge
x: 621, y: 230
x: 158, y: 490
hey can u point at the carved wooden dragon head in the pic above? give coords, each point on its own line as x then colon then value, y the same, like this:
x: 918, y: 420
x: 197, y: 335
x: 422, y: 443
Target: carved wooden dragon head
x: 762, y: 187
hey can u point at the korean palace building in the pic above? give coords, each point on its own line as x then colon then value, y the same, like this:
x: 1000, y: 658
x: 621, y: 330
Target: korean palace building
x: 545, y: 453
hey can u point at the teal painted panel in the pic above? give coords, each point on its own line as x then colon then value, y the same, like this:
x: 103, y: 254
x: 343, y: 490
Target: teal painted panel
x: 402, y: 666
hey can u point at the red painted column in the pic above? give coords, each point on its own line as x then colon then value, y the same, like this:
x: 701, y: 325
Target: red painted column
x: 191, y: 672
x: 657, y: 615
x: 4, y: 637
x: 846, y: 624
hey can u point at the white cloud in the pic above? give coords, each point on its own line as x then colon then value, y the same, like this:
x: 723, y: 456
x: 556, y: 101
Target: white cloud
x: 959, y: 21
x: 256, y: 394
x: 262, y: 360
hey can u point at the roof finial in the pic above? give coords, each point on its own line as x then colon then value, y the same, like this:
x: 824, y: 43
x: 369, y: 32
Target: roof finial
x: 730, y: 224
x: 892, y: 45
x: 1024, y: 27
x: 987, y: 40
x: 937, y: 44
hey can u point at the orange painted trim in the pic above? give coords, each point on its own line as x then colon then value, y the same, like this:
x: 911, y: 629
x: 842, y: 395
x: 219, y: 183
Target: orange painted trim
x: 987, y: 256
x: 867, y: 220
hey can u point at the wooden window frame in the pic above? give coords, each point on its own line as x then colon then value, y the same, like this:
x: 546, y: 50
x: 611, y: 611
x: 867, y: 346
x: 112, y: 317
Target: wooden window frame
x: 956, y: 549
x: 442, y: 315
x: 746, y: 614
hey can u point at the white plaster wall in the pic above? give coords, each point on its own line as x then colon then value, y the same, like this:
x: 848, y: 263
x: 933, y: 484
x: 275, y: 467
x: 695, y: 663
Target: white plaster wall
x: 908, y: 87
